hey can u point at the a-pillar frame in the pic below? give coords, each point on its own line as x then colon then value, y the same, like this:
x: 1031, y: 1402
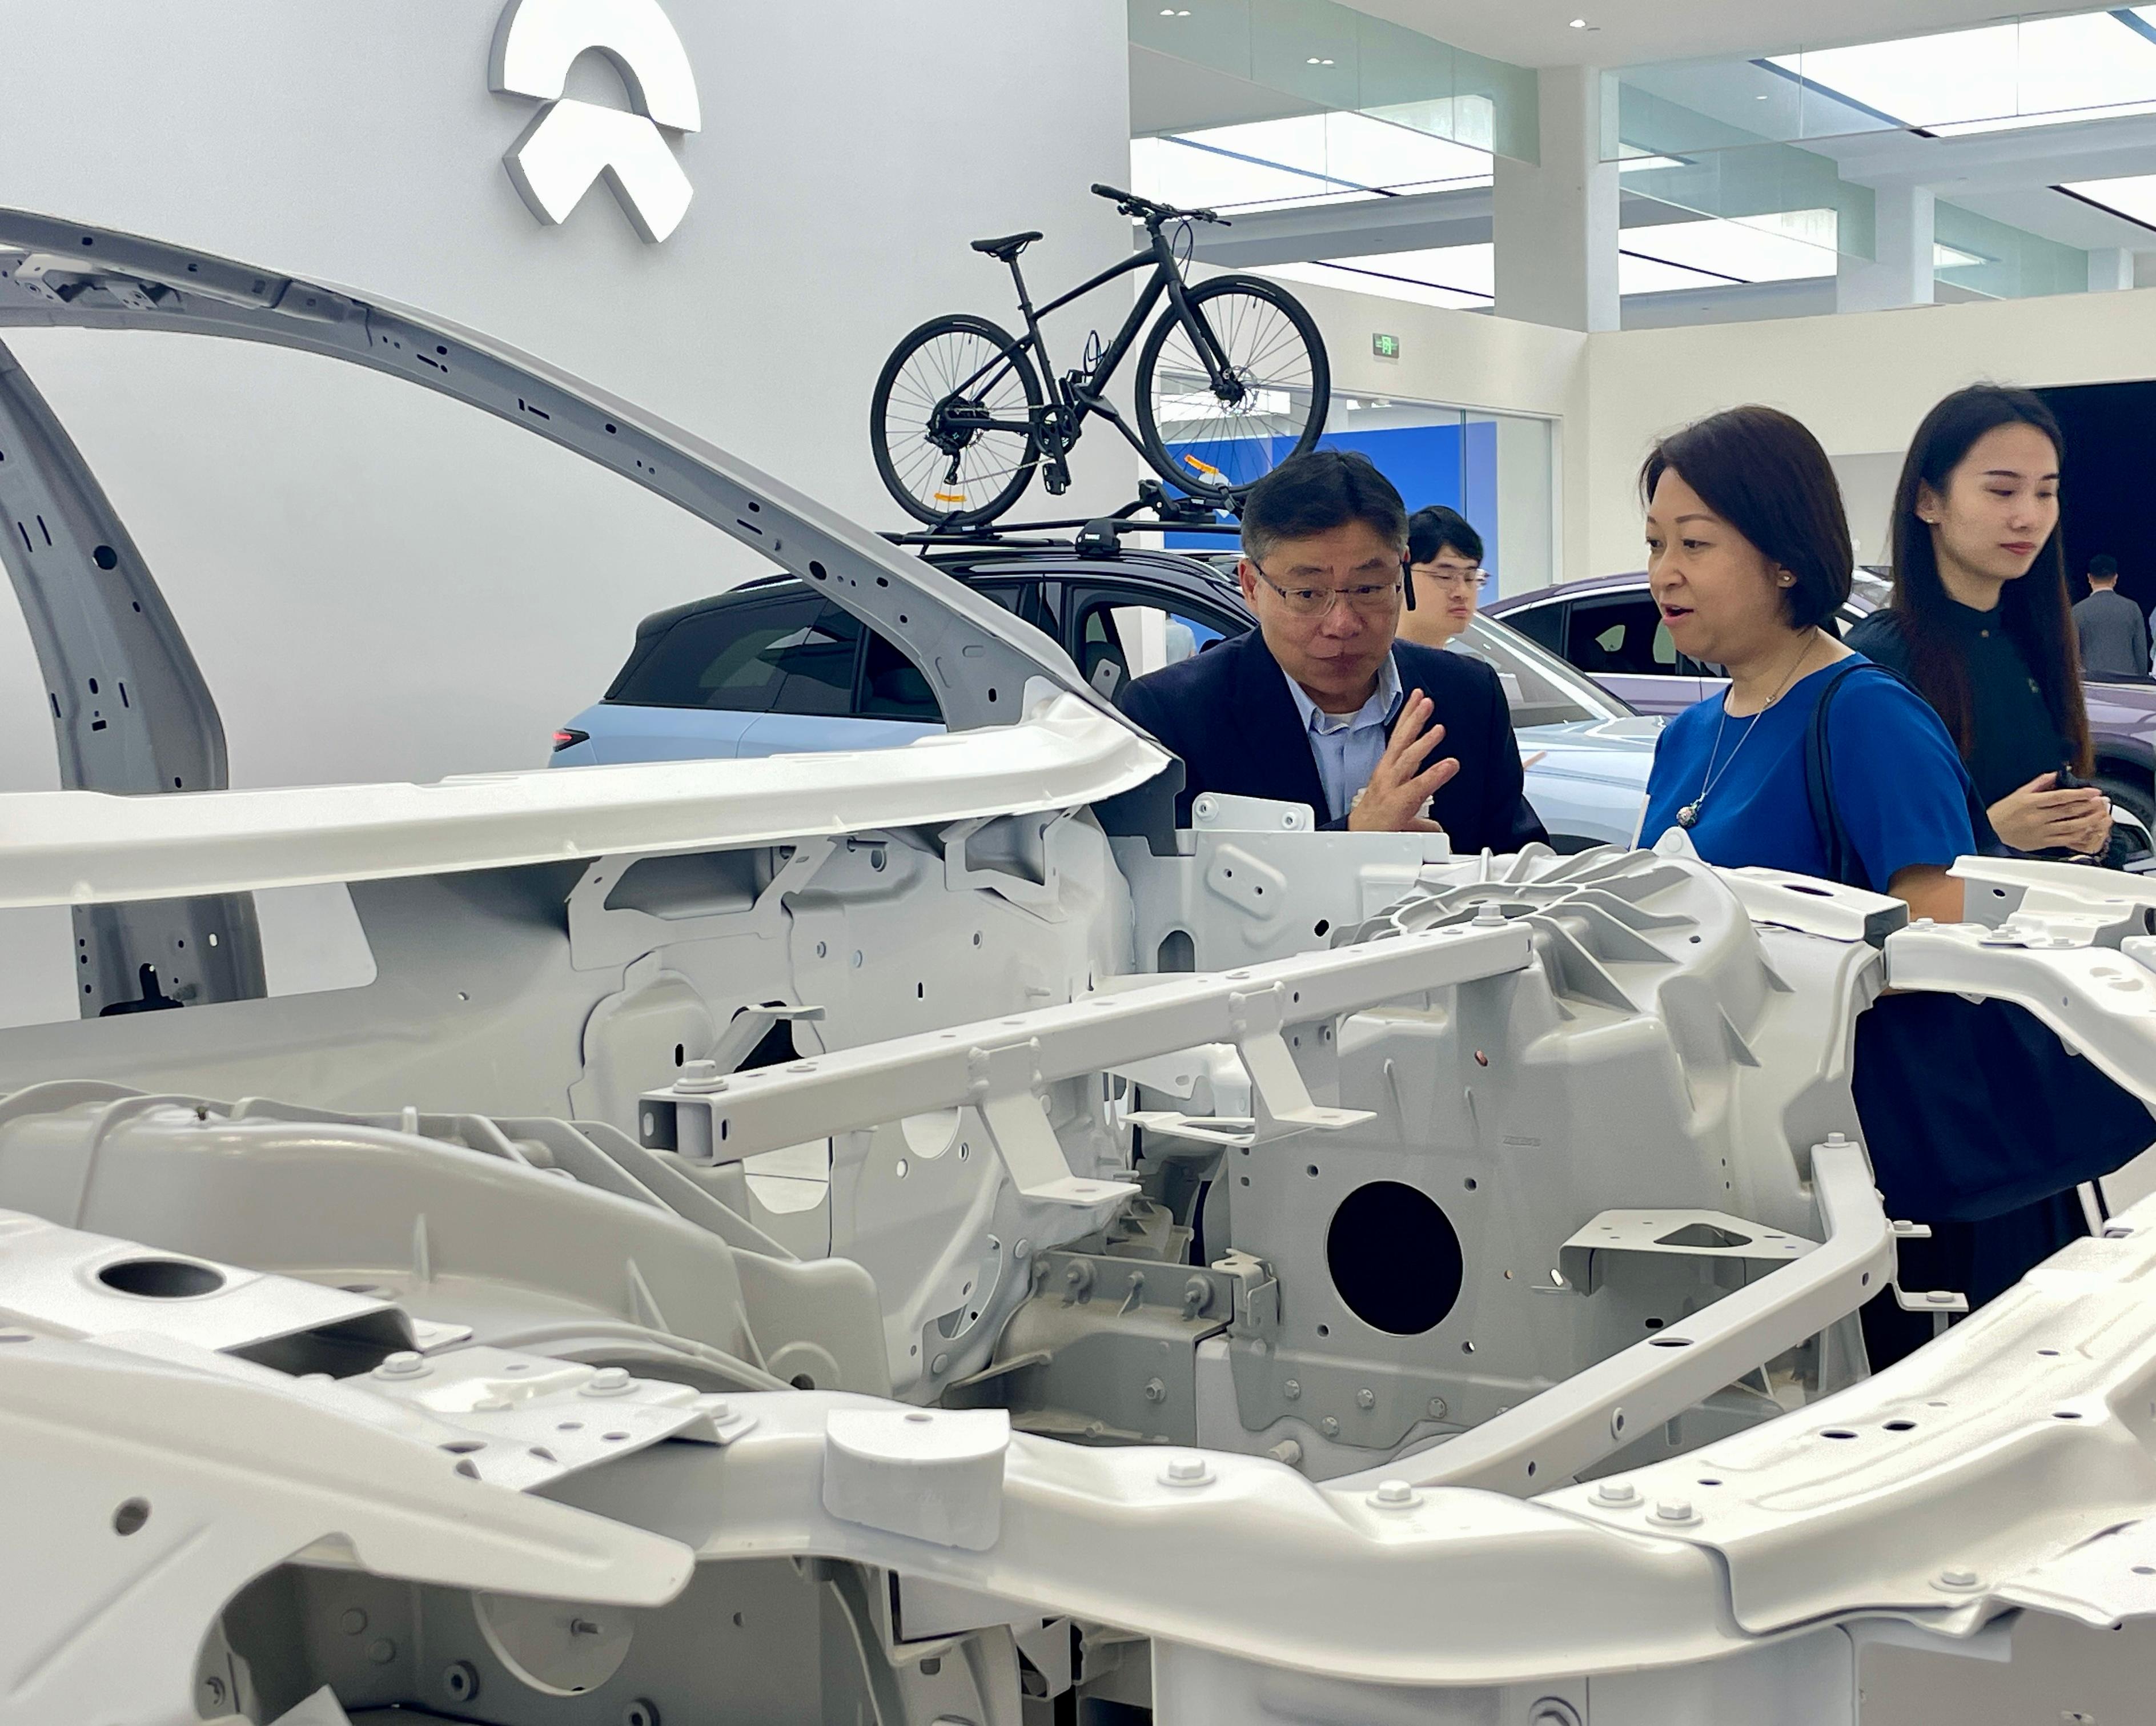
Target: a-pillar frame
x: 1556, y: 226
x: 1900, y: 272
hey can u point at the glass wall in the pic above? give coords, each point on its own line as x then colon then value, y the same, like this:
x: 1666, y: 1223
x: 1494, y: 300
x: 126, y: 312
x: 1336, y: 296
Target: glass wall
x: 1497, y: 469
x: 1331, y: 56
x: 1401, y: 112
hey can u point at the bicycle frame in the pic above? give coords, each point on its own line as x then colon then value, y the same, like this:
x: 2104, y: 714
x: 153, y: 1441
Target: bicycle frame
x: 1077, y: 400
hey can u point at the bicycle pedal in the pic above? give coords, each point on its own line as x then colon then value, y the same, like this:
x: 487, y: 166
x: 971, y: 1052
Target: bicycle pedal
x: 1057, y: 480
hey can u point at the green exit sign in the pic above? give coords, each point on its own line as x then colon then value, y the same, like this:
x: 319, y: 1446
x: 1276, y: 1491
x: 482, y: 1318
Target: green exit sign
x: 1386, y: 347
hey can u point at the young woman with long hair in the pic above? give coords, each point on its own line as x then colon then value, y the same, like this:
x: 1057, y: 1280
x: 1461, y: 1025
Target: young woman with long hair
x: 1818, y: 761
x: 1980, y: 622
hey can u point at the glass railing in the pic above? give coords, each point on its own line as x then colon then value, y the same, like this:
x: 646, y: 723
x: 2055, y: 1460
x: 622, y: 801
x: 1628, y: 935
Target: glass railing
x: 1318, y: 55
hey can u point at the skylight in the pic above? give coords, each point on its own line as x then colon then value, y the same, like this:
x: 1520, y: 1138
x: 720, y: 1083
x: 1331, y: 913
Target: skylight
x: 1461, y: 277
x: 1792, y: 246
x: 1309, y: 158
x: 2035, y: 72
x: 2133, y: 196
x: 1706, y: 253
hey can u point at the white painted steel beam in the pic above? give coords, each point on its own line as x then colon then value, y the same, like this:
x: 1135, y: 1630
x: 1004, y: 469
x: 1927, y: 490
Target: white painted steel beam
x: 83, y: 847
x: 769, y: 1107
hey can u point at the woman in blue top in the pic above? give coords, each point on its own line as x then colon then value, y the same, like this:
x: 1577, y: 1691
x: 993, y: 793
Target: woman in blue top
x: 1978, y: 1122
x: 1747, y: 555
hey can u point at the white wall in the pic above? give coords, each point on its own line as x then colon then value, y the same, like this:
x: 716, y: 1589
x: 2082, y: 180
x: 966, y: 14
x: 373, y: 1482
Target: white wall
x: 381, y: 584
x: 1860, y: 381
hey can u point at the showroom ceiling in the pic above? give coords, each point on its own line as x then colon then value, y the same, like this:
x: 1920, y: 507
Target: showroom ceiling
x: 2036, y: 132
x: 1539, y: 33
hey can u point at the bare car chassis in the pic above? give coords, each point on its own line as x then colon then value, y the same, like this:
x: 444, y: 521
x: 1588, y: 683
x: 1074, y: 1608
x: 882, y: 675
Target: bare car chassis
x: 913, y: 1238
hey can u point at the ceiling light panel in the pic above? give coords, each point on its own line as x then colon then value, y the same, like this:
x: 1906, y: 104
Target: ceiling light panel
x: 2087, y: 65
x: 1785, y: 248
x: 1636, y: 275
x: 2132, y: 197
x: 1381, y: 286
x: 1352, y: 149
x: 1192, y: 177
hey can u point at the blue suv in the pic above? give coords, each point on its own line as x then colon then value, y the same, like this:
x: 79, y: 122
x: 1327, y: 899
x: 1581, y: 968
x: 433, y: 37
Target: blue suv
x: 770, y: 669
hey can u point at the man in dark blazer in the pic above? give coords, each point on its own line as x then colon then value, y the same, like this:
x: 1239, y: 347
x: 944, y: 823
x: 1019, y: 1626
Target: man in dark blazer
x: 1321, y: 704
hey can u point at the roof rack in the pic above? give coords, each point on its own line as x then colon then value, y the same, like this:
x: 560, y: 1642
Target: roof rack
x: 1097, y: 535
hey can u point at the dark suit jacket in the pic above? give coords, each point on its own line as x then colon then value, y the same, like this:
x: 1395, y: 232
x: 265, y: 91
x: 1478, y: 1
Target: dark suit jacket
x: 1228, y: 713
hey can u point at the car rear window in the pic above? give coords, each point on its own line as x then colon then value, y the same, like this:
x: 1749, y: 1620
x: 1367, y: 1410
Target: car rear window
x: 793, y: 655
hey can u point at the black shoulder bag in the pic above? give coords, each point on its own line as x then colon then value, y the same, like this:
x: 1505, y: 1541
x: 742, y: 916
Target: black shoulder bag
x: 1970, y: 1109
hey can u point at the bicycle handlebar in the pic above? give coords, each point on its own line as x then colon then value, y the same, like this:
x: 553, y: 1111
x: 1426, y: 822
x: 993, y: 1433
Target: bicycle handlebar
x: 1152, y: 215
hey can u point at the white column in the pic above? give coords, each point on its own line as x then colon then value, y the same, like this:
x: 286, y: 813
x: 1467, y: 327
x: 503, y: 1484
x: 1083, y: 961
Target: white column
x: 1901, y: 274
x: 1556, y: 226
x: 2110, y: 268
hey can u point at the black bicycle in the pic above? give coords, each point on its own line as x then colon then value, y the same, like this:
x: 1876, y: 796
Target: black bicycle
x: 1230, y: 381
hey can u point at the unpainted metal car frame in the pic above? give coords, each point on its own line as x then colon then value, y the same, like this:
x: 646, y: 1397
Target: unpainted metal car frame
x: 465, y: 1382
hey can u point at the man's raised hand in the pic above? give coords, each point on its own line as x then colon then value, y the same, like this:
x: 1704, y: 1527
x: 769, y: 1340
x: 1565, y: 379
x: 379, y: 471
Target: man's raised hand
x: 1401, y: 784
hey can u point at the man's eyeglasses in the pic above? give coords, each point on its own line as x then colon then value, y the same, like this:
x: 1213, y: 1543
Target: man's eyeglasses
x: 1372, y: 599
x: 1451, y: 573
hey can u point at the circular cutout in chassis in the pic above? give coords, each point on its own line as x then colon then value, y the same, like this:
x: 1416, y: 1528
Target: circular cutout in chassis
x: 1394, y: 1257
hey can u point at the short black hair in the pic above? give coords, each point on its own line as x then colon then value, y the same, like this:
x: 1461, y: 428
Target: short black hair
x: 2103, y: 567
x: 1317, y: 491
x: 1764, y: 474
x: 1431, y: 529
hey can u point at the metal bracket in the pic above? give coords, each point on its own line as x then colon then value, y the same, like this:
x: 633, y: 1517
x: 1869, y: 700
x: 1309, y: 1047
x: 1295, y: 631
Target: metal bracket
x: 1281, y: 1103
x: 1671, y: 1234
x: 1042, y: 897
x: 602, y: 938
x: 751, y: 1026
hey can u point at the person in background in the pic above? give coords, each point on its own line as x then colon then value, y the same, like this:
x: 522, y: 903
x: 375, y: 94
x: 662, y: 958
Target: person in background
x: 1320, y: 704
x: 1979, y: 622
x: 1444, y: 560
x: 2112, y: 634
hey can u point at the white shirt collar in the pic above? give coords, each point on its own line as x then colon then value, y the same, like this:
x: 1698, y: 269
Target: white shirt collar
x: 1377, y: 710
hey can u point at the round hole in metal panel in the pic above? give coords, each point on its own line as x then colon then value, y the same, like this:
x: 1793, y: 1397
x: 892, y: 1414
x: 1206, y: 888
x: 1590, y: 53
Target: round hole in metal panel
x: 1394, y: 1257
x: 162, y: 1279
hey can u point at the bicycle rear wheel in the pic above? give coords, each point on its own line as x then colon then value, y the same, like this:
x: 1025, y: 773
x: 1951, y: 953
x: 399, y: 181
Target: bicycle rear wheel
x: 930, y: 422
x: 1215, y: 441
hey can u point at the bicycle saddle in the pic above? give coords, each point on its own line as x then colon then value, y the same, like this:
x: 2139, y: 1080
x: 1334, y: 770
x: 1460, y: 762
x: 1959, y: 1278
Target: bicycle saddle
x: 1006, y: 246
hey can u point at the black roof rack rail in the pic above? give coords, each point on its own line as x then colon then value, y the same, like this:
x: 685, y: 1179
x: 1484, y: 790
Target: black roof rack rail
x: 1097, y: 534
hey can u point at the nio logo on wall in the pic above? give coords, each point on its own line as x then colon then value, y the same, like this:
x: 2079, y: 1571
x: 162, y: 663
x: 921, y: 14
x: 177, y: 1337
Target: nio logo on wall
x: 572, y: 143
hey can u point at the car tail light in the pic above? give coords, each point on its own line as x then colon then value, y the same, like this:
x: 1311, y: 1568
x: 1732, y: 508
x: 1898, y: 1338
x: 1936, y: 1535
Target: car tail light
x: 565, y: 738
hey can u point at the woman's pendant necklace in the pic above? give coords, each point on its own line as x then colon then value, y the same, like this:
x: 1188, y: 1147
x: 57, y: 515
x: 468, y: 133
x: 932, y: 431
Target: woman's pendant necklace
x: 1688, y: 816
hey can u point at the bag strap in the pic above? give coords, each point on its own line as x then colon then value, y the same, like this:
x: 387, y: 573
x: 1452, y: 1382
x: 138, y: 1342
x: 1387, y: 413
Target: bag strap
x: 1843, y: 865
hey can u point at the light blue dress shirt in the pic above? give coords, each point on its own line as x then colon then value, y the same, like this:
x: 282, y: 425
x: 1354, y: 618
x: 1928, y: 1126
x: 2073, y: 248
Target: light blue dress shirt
x: 1347, y: 747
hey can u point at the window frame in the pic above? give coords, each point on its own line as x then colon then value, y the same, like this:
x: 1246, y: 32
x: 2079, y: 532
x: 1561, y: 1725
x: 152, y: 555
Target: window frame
x: 738, y: 613
x: 1080, y: 596
x: 1579, y: 609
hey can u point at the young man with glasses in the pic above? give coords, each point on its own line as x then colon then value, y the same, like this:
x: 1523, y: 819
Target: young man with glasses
x: 1322, y: 704
x: 1445, y: 562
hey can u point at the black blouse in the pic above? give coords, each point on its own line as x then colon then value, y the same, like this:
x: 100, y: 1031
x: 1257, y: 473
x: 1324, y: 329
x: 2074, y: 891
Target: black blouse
x: 2013, y: 736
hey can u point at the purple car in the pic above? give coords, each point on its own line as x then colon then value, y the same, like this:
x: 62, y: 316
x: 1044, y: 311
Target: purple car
x: 1608, y: 626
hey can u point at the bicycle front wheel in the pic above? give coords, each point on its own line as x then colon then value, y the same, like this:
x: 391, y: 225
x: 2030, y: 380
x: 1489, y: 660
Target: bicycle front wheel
x: 951, y: 423
x: 1214, y: 439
